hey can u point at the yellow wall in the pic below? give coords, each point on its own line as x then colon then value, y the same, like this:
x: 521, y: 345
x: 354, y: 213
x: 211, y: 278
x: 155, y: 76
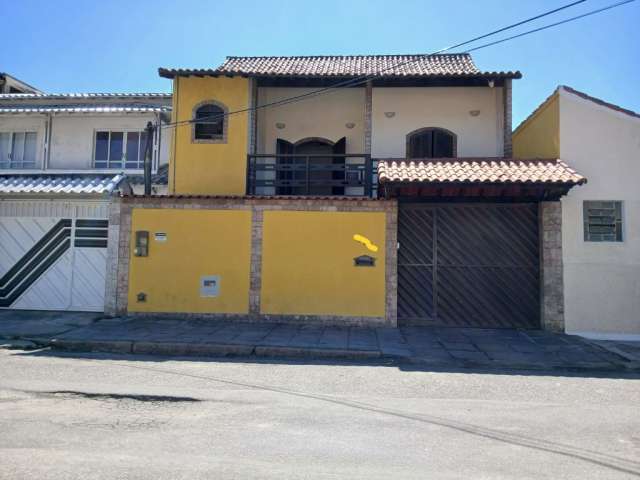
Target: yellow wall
x: 210, y: 168
x: 539, y: 136
x: 307, y: 264
x: 199, y: 242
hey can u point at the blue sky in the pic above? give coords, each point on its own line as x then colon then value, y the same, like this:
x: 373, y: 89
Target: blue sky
x: 82, y: 46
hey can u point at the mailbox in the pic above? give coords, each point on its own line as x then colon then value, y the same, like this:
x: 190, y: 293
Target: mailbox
x: 364, y: 261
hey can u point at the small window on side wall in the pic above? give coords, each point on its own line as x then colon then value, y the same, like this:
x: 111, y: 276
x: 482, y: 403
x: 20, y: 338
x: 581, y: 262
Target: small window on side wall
x: 431, y: 143
x: 210, y: 123
x: 602, y: 221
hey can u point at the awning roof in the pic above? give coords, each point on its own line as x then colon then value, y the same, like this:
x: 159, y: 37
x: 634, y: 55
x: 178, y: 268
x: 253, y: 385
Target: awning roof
x: 478, y: 170
x: 74, y: 184
x: 533, y: 179
x: 62, y: 108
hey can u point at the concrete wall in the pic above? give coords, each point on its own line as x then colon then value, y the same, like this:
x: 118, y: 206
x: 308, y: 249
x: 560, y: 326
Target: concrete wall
x: 539, y: 135
x: 446, y: 107
x: 602, y: 279
x: 308, y: 266
x: 322, y: 116
x: 73, y: 136
x: 197, y: 243
x: 284, y: 260
x: 210, y: 167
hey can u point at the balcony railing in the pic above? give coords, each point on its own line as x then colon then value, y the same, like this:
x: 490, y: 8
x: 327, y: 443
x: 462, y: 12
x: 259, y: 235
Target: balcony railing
x: 314, y: 174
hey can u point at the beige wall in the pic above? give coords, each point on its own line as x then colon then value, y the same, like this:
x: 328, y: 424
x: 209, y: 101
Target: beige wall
x: 72, y: 139
x: 446, y: 107
x: 320, y: 116
x: 602, y: 279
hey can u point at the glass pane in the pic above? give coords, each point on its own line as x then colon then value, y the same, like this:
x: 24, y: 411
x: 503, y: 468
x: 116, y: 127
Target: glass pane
x: 116, y: 149
x: 5, y: 142
x: 133, y: 141
x: 102, y: 149
x: 17, y: 150
x: 30, y: 146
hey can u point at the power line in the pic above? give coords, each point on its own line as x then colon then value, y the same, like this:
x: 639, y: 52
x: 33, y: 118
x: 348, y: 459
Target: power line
x: 364, y: 78
x: 360, y: 80
x: 593, y: 12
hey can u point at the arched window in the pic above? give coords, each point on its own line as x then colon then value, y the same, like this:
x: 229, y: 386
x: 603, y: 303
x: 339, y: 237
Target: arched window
x: 431, y: 143
x: 210, y: 122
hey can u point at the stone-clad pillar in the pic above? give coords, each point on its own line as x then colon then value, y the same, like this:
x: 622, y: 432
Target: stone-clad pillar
x: 551, y: 270
x: 113, y: 247
x: 368, y: 106
x: 506, y: 104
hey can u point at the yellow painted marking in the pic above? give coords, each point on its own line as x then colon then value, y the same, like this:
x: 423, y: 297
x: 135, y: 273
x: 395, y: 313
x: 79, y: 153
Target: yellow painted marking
x: 366, y: 242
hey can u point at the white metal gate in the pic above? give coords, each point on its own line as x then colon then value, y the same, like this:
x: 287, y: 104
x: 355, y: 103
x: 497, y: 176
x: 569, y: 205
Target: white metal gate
x: 53, y: 254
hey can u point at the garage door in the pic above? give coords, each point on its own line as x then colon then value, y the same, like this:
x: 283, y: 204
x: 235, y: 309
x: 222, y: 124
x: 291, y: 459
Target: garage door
x: 53, y: 255
x: 468, y: 265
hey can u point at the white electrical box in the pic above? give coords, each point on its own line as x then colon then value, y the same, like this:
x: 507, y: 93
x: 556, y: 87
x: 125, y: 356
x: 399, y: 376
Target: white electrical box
x: 210, y: 286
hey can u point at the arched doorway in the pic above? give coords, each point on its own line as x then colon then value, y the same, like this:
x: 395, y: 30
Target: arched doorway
x: 321, y: 177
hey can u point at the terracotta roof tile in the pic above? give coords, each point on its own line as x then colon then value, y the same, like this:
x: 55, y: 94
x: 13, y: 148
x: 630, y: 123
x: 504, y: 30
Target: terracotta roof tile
x: 478, y: 170
x: 415, y: 65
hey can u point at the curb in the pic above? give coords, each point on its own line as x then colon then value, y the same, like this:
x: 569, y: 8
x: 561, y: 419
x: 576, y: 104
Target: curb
x: 300, y: 352
x: 178, y: 349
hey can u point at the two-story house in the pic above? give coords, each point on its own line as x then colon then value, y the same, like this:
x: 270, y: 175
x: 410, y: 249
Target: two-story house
x: 367, y: 190
x: 62, y: 157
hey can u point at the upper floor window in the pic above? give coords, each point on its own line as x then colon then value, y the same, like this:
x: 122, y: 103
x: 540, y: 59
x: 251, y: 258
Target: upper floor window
x: 210, y: 122
x: 118, y: 149
x: 602, y: 221
x: 431, y: 143
x: 18, y: 149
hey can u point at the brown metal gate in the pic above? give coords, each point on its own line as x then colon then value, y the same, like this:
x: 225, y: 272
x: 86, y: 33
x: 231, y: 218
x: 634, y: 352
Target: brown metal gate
x: 468, y: 265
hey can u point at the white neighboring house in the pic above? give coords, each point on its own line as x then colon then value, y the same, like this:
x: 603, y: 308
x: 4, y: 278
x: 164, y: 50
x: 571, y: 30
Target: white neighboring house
x: 62, y: 159
x: 600, y: 220
x: 10, y: 84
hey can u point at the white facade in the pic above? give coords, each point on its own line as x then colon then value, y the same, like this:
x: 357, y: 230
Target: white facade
x: 473, y: 114
x: 325, y: 116
x: 65, y: 127
x: 601, y: 279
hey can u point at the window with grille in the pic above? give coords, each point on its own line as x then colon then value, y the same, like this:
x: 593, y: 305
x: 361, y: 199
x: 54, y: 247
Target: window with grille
x: 18, y: 150
x: 123, y: 150
x: 210, y: 122
x: 602, y: 221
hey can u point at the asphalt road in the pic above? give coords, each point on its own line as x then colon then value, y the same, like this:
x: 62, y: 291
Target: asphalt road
x: 99, y: 417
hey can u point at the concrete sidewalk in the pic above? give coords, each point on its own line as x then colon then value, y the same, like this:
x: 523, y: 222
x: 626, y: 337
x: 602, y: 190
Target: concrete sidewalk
x: 436, y: 347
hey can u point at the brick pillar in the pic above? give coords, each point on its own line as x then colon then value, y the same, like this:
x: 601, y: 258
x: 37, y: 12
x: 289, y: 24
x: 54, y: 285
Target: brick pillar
x: 551, y: 281
x: 124, y: 253
x: 253, y: 116
x: 255, y: 284
x: 391, y: 271
x: 113, y: 246
x: 506, y: 105
x: 368, y: 105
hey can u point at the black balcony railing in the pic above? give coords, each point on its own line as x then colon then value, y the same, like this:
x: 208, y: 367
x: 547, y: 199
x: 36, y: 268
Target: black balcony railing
x: 318, y: 174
